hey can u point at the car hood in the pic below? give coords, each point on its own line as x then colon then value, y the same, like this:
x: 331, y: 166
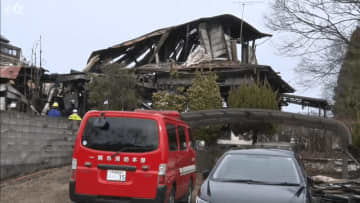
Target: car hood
x: 222, y: 192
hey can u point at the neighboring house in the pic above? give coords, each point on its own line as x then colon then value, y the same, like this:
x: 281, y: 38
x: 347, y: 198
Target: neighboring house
x: 234, y: 140
x: 20, y: 87
x: 30, y: 88
x: 10, y: 55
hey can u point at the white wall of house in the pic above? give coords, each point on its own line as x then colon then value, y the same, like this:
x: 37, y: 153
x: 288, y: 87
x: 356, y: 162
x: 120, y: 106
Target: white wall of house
x: 236, y: 140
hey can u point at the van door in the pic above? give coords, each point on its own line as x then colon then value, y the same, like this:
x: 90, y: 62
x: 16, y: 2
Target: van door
x: 173, y: 165
x: 192, y: 154
x: 184, y: 162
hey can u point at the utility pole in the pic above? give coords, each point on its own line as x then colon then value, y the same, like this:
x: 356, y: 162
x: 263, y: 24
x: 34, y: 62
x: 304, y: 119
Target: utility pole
x: 33, y: 52
x: 40, y: 52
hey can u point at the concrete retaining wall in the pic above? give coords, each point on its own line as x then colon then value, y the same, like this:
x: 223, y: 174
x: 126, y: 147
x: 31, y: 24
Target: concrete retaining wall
x: 29, y: 143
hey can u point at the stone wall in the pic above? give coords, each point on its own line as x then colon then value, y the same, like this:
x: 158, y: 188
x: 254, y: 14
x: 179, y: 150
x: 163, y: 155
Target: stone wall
x: 30, y: 143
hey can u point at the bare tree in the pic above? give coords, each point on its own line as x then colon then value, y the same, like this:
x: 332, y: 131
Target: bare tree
x: 319, y: 31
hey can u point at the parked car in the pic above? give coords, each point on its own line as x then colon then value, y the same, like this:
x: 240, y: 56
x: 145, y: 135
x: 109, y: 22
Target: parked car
x: 256, y: 176
x: 142, y: 156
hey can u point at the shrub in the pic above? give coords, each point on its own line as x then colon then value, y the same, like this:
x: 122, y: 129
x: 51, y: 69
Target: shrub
x: 164, y: 100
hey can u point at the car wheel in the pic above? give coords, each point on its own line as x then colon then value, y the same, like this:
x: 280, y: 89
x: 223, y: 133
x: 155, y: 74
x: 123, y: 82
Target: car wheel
x: 172, y: 196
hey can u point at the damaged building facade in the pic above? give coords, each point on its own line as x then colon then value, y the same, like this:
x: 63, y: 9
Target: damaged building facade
x: 223, y: 44
x: 28, y: 88
x: 207, y: 43
x: 31, y: 89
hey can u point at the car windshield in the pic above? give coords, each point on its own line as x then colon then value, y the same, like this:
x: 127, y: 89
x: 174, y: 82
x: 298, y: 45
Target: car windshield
x: 257, y: 168
x: 121, y: 134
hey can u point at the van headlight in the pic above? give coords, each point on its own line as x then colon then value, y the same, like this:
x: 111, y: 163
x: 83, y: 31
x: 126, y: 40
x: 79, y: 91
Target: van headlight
x: 199, y: 200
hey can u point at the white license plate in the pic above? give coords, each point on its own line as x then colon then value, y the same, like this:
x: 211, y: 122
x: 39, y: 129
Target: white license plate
x: 116, y: 175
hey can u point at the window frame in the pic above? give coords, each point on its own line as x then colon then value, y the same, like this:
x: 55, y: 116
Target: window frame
x: 185, y: 138
x: 168, y: 137
x: 190, y: 137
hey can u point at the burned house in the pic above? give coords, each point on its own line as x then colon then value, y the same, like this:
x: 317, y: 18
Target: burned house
x: 206, y: 43
x: 31, y: 89
x: 213, y: 43
x: 28, y: 88
x: 69, y: 90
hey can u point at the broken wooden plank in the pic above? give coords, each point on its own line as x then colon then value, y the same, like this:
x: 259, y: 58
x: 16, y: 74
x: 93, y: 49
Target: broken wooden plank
x: 204, y: 39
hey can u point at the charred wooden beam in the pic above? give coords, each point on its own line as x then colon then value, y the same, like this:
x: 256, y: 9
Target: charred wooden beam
x: 245, y: 53
x: 159, y: 45
x: 234, y: 55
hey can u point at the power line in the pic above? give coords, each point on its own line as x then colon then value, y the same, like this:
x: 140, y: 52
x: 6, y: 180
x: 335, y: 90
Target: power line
x: 244, y: 2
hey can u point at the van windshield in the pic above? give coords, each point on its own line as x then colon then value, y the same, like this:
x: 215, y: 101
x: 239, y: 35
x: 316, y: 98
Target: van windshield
x: 121, y: 135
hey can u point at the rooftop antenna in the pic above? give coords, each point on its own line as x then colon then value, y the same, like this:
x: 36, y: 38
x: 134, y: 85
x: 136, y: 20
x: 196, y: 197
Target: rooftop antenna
x: 243, y: 4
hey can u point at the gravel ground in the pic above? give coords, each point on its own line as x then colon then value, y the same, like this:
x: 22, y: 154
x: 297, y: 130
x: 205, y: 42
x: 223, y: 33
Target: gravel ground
x: 46, y: 186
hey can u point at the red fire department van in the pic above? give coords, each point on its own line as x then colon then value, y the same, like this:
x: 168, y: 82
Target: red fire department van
x: 141, y: 156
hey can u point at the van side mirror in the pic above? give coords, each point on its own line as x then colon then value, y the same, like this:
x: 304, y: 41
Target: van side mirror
x: 205, y: 174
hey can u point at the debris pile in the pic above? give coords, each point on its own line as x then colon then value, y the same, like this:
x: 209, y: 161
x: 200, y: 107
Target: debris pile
x: 327, y: 189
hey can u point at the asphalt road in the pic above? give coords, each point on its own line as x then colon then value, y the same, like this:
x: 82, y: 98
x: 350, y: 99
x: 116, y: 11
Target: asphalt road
x: 46, y: 186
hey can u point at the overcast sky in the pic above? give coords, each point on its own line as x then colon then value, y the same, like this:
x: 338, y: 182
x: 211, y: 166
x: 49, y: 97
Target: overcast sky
x: 71, y: 30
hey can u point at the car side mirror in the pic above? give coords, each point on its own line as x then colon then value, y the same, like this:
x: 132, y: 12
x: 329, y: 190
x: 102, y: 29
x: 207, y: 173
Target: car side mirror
x: 205, y: 174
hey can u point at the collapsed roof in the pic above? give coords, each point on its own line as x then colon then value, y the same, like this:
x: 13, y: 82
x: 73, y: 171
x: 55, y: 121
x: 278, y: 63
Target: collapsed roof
x: 177, y: 42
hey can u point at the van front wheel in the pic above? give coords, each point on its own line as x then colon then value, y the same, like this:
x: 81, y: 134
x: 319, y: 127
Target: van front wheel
x: 172, y: 196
